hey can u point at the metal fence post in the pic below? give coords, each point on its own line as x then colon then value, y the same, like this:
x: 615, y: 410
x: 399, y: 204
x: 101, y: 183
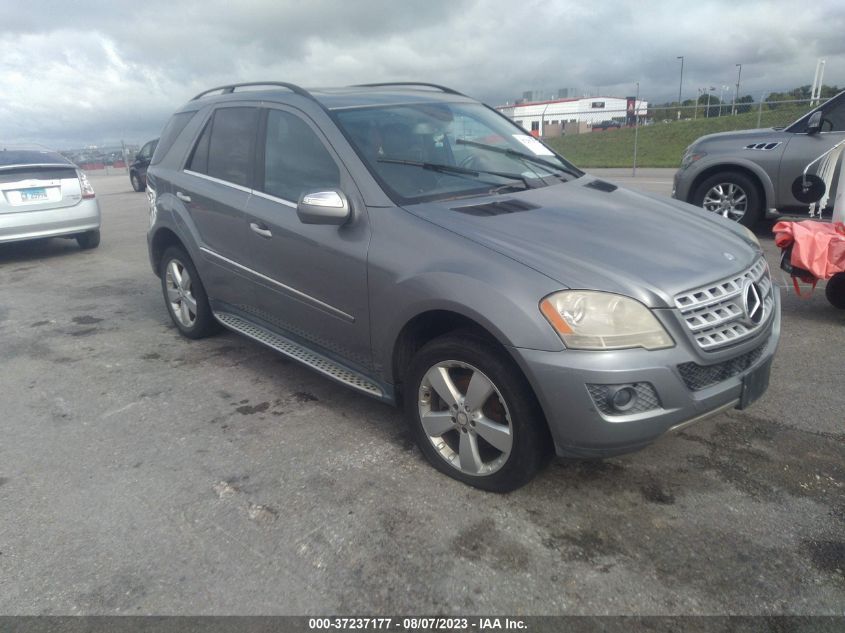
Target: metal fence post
x: 760, y: 111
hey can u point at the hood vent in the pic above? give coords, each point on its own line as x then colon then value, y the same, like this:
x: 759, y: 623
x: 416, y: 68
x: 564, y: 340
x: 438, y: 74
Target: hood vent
x: 501, y: 207
x: 601, y: 185
x: 763, y: 146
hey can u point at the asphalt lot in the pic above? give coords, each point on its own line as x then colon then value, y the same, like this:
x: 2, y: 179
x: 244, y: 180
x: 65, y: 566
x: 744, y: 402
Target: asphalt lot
x: 143, y: 473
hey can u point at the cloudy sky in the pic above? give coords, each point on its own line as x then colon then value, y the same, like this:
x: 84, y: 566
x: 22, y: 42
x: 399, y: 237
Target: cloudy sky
x: 94, y: 72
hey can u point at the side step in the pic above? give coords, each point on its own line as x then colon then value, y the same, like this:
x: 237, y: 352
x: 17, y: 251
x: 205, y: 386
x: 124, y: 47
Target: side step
x: 298, y: 352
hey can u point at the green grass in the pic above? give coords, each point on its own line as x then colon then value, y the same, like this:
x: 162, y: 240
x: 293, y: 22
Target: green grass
x: 661, y: 144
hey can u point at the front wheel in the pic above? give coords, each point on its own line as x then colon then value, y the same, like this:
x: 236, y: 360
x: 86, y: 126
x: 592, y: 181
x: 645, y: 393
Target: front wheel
x: 185, y: 295
x: 137, y: 185
x: 732, y: 195
x: 473, y: 414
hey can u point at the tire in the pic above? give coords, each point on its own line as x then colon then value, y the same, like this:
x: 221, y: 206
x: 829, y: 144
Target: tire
x: 509, y: 414
x: 720, y: 193
x: 187, y: 303
x: 137, y: 183
x: 89, y: 239
x: 835, y: 291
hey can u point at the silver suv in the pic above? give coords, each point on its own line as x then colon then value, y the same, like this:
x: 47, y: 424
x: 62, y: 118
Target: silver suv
x: 418, y: 247
x: 747, y: 175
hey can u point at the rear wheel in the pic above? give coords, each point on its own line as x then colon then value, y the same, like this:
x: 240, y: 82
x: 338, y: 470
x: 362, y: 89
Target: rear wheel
x: 473, y: 414
x: 137, y: 185
x: 835, y: 291
x: 732, y: 195
x: 184, y: 295
x: 89, y: 239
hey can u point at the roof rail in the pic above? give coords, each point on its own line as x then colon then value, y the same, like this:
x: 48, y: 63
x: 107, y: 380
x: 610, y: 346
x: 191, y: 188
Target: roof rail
x: 229, y: 89
x: 411, y: 83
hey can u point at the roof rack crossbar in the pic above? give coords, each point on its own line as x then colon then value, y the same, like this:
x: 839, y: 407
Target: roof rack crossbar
x: 230, y: 88
x: 411, y: 83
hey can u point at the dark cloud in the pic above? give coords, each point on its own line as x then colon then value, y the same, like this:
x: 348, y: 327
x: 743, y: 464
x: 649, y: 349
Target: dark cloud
x: 111, y: 70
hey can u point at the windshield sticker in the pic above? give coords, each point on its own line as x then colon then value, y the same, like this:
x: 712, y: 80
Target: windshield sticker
x: 536, y: 147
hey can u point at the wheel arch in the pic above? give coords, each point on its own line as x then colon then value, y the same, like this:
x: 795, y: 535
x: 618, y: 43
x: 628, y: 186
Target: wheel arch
x: 163, y: 239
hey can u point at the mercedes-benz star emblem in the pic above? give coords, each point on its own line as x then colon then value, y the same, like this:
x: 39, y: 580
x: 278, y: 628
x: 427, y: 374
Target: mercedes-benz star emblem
x: 752, y: 303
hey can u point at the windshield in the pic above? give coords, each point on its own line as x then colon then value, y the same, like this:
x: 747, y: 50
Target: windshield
x: 430, y: 151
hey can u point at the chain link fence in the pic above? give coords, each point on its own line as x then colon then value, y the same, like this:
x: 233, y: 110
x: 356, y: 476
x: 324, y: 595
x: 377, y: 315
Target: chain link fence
x: 655, y: 136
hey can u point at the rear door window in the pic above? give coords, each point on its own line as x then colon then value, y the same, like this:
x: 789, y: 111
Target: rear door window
x: 295, y: 159
x: 226, y: 147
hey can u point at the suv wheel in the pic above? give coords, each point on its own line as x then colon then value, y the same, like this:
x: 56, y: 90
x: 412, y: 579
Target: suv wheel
x: 732, y: 195
x: 88, y: 240
x: 137, y: 185
x: 185, y: 295
x: 835, y: 291
x: 473, y: 414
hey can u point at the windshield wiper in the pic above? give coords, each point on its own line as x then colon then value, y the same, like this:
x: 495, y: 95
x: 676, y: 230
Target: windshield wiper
x: 507, y: 151
x: 454, y: 169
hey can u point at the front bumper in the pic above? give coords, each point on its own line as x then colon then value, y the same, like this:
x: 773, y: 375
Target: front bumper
x: 29, y: 225
x: 561, y: 382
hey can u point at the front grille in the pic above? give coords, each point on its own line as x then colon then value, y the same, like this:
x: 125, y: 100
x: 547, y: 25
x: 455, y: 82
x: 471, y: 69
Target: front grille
x: 698, y: 377
x: 714, y: 313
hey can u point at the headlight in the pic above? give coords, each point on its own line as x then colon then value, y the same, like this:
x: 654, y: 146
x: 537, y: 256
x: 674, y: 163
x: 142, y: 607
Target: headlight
x: 587, y: 319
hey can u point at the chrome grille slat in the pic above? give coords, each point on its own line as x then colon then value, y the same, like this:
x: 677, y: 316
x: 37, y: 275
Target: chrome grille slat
x: 714, y: 313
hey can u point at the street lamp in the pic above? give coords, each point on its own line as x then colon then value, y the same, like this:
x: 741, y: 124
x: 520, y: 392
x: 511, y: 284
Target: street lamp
x: 736, y: 94
x: 680, y: 85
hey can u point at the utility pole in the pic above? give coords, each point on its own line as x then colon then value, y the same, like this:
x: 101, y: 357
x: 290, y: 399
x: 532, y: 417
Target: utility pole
x: 707, y: 111
x: 680, y: 85
x: 736, y: 95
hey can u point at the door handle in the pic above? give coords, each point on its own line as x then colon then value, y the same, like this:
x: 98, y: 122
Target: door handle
x: 183, y: 196
x: 261, y: 229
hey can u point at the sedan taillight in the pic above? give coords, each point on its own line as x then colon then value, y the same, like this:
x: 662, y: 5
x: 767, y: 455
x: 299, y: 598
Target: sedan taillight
x: 84, y: 185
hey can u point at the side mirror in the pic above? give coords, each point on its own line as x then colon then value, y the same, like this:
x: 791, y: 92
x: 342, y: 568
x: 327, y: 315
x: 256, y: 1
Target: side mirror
x: 814, y: 125
x: 323, y: 207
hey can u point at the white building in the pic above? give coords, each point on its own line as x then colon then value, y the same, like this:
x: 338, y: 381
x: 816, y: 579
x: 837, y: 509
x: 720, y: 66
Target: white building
x: 534, y: 116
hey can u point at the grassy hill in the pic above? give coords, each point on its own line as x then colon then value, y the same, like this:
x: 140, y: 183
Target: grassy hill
x: 661, y: 144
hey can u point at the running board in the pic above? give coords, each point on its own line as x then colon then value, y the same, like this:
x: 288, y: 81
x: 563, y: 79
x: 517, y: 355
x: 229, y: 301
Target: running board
x: 299, y: 352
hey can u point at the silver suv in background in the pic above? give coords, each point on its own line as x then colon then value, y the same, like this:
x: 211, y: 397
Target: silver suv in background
x: 414, y: 245
x: 43, y: 194
x: 748, y: 175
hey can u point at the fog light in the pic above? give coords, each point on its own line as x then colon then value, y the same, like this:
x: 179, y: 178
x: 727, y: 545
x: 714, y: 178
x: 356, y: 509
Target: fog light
x: 623, y: 398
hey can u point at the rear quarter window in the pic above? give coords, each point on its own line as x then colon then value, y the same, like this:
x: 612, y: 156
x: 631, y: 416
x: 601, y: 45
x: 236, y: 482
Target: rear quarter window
x: 170, y: 133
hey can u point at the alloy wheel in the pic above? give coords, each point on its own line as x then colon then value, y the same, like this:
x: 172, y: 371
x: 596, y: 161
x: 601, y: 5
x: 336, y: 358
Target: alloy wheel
x: 183, y: 305
x: 727, y: 199
x: 465, y: 418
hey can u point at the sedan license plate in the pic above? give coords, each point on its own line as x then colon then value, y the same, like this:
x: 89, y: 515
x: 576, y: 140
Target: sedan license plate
x: 754, y: 385
x: 31, y: 195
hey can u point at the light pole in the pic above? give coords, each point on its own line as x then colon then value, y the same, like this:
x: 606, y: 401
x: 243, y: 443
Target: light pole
x: 680, y: 85
x: 736, y: 94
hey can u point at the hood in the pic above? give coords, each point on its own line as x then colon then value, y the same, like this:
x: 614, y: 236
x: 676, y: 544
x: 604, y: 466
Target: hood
x: 759, y: 135
x: 588, y: 234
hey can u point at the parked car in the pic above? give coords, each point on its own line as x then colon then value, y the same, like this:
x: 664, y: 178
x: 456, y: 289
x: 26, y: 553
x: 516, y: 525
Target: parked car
x: 43, y: 194
x: 415, y: 245
x: 745, y: 176
x: 138, y: 168
x: 606, y: 125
